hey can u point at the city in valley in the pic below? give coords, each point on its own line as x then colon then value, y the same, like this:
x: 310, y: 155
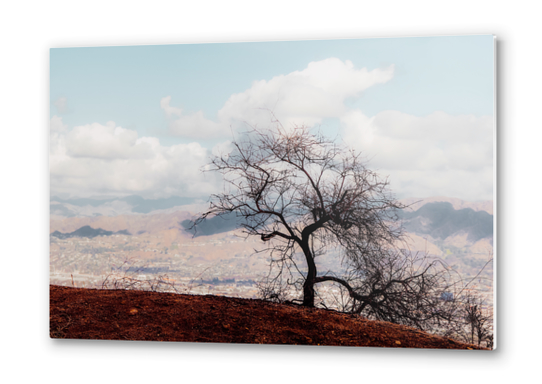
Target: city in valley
x: 155, y: 251
x: 217, y: 264
x: 220, y: 264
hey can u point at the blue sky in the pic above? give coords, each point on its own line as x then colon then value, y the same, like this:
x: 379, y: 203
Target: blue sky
x: 432, y: 84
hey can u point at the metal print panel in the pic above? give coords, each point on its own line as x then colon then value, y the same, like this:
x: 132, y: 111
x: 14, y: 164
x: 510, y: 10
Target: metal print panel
x: 334, y: 192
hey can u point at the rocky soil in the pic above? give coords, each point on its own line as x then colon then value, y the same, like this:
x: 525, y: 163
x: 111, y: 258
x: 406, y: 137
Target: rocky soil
x: 77, y: 313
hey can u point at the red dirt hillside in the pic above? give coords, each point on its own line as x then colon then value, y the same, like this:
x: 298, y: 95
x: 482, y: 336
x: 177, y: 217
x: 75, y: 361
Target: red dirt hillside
x: 77, y: 313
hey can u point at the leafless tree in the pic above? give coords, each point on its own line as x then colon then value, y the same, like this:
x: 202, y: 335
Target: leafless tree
x: 305, y: 196
x: 304, y: 193
x: 477, y: 320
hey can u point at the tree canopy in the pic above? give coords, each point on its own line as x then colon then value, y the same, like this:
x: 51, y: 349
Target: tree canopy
x: 300, y: 189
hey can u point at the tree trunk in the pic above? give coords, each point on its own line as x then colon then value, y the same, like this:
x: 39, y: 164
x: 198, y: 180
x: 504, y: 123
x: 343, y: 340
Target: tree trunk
x: 308, y: 286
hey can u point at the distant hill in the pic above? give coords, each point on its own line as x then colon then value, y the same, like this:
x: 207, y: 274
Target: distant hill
x: 438, y: 227
x: 91, y: 207
x: 155, y: 223
x: 440, y: 220
x: 89, y: 232
x: 213, y: 225
x: 141, y: 205
x: 415, y: 203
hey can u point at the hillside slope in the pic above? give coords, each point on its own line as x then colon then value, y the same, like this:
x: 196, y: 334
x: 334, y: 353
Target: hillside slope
x: 77, y: 313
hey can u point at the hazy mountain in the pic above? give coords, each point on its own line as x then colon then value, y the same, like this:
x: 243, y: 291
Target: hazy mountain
x: 91, y: 207
x: 463, y: 238
x: 415, y: 203
x: 133, y: 223
x: 440, y: 220
x: 439, y: 217
x: 213, y: 225
x: 141, y: 205
x: 88, y: 232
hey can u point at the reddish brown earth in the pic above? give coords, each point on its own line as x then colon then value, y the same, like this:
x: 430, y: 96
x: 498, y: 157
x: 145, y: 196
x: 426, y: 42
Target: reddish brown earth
x: 77, y: 313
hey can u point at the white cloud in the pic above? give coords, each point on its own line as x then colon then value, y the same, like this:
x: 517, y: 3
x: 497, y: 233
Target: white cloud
x: 196, y: 126
x: 193, y: 125
x: 107, y: 142
x: 438, y: 154
x: 107, y: 159
x: 169, y: 110
x: 434, y: 155
x: 57, y: 125
x: 62, y: 106
x: 301, y: 97
x: 222, y: 149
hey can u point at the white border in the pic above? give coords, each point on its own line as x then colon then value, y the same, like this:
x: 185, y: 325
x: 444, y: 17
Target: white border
x: 29, y: 29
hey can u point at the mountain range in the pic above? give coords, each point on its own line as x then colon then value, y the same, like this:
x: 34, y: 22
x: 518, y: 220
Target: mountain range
x: 451, y: 230
x: 438, y: 219
x: 91, y: 207
x: 88, y: 232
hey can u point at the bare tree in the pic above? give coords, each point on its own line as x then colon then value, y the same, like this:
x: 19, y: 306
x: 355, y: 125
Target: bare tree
x: 304, y: 193
x: 477, y: 324
x: 305, y: 196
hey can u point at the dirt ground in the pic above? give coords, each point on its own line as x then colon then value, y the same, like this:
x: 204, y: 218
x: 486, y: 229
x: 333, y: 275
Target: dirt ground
x: 77, y: 313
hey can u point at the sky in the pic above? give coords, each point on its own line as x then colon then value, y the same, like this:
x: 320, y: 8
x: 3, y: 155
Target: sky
x: 145, y: 120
